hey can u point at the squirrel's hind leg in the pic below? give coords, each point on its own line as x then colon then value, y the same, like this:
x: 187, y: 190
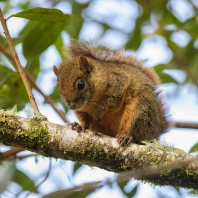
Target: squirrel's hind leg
x: 128, y: 119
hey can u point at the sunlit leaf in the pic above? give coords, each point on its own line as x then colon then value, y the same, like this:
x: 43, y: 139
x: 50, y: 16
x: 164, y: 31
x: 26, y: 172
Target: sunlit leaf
x: 194, y: 148
x: 43, y: 14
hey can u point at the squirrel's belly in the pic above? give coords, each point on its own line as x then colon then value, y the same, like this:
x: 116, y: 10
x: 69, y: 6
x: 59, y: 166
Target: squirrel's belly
x: 109, y: 124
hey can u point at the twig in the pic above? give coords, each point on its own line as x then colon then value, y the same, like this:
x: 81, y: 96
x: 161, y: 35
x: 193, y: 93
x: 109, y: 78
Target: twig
x: 25, y: 156
x: 46, y: 176
x: 12, y: 152
x: 18, y: 63
x: 184, y: 125
x: 20, y: 157
x: 33, y: 82
x: 47, y: 98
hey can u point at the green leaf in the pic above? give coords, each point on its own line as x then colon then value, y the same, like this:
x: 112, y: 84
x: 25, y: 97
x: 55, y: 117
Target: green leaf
x: 60, y: 46
x: 26, y: 31
x: 133, y: 192
x: 75, y: 192
x: 77, y: 166
x: 56, y: 97
x: 165, y: 78
x: 24, y: 181
x: 122, y: 184
x: 159, y: 68
x: 40, y: 38
x: 43, y: 14
x: 34, y: 67
x: 193, y: 192
x: 12, y: 89
x: 76, y: 23
x: 194, y: 148
x: 136, y: 37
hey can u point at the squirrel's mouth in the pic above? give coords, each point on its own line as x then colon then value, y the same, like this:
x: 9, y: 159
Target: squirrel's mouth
x: 71, y: 107
x: 78, y: 103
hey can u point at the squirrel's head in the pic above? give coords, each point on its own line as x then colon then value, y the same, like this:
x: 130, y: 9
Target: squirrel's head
x: 73, y: 78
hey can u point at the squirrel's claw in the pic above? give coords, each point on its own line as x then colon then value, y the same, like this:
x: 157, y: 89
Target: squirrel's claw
x: 123, y: 139
x: 77, y: 127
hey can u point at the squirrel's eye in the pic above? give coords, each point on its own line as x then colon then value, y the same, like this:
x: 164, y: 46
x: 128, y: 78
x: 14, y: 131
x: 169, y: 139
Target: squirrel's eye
x: 81, y: 85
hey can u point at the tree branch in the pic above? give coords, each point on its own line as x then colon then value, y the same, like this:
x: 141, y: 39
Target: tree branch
x: 18, y: 63
x: 10, y: 154
x: 188, y: 125
x: 96, y: 149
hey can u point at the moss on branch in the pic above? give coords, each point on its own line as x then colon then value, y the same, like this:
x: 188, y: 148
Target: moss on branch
x: 95, y: 149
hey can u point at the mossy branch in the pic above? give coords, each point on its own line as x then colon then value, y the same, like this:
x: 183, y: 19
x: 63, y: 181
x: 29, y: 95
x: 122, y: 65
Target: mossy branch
x: 94, y: 149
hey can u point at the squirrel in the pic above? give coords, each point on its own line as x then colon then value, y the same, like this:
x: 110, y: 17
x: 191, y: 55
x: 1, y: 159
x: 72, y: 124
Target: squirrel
x: 111, y: 92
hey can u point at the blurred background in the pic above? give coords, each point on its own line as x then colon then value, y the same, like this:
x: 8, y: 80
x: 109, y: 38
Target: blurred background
x: 162, y: 33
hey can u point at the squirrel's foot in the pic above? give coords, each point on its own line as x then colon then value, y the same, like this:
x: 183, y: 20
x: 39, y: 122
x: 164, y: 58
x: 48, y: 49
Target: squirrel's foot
x: 123, y: 139
x: 75, y: 126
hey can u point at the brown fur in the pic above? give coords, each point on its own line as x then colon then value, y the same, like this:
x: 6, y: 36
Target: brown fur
x: 120, y: 97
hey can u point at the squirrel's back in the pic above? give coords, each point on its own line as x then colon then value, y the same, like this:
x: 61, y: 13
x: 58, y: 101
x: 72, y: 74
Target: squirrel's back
x: 106, y: 54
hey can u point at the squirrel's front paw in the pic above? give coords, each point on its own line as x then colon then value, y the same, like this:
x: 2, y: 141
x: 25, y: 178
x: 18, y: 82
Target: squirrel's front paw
x: 79, y: 128
x: 123, y: 139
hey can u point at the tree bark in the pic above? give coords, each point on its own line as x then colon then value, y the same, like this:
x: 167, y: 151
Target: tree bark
x: 96, y: 149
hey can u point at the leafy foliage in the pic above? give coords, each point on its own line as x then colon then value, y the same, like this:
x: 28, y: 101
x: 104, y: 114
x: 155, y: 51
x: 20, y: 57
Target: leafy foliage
x: 43, y: 14
x: 24, y: 181
x: 11, y: 85
x: 32, y: 49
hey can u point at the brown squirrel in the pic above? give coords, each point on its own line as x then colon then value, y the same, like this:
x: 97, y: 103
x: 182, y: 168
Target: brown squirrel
x: 112, y: 93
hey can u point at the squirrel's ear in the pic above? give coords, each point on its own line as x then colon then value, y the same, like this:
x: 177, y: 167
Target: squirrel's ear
x: 55, y: 70
x: 85, y: 64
